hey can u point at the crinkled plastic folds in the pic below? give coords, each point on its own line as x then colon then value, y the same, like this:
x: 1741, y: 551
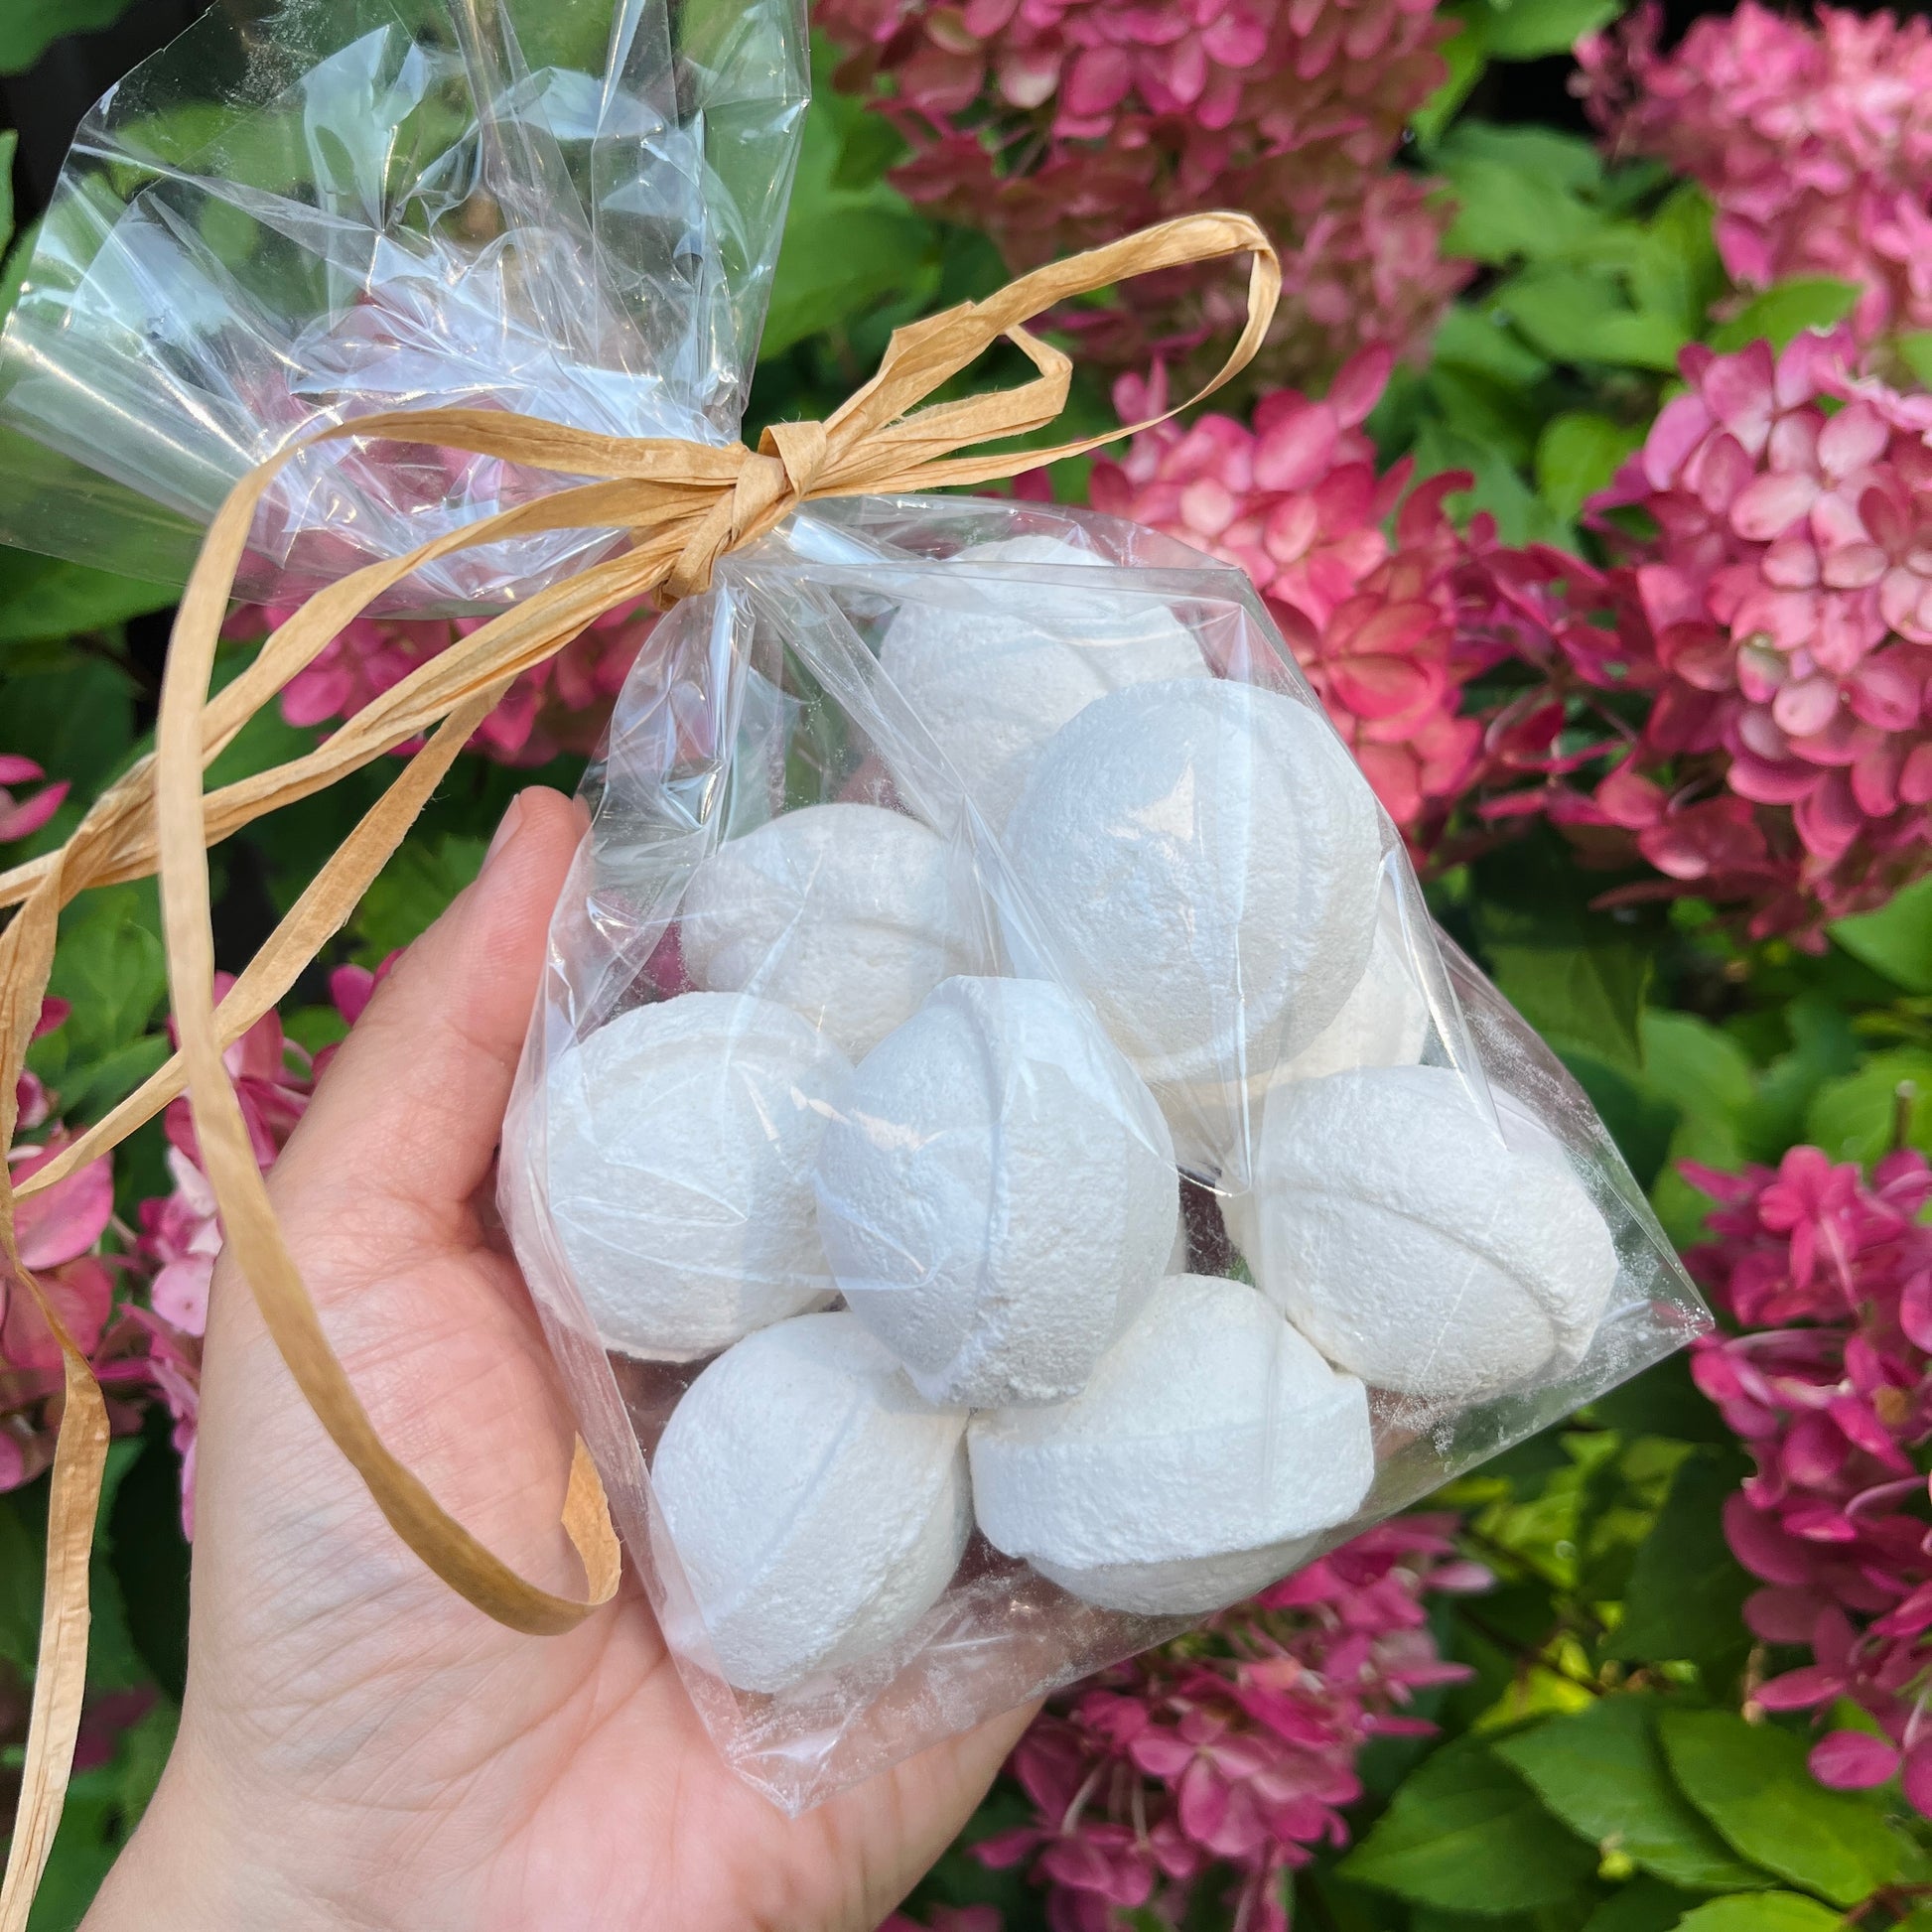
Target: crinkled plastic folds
x: 1102, y: 969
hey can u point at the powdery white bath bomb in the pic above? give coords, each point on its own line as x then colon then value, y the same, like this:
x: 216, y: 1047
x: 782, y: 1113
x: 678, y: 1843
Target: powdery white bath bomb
x: 1384, y: 1021
x: 817, y: 1505
x: 996, y: 670
x: 681, y: 1138
x: 848, y: 914
x: 1211, y: 1440
x: 998, y: 1197
x: 1209, y: 855
x: 1415, y: 1248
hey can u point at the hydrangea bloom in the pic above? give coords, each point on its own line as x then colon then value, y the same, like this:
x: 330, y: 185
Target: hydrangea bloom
x: 1372, y: 613
x: 21, y: 816
x: 1815, y: 142
x: 58, y: 1231
x: 1830, y: 1277
x: 1777, y: 631
x: 1053, y: 125
x: 1227, y: 1754
x: 560, y: 706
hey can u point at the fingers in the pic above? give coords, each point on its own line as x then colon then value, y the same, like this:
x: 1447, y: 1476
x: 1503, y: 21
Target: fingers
x: 413, y: 1104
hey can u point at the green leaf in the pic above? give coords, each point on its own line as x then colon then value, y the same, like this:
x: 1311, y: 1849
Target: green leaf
x: 1568, y: 161
x: 1915, y: 351
x: 1859, y: 1117
x: 1464, y: 1833
x: 1751, y: 1782
x: 1641, y: 1123
x: 1476, y: 339
x: 1896, y: 940
x: 9, y: 141
x: 1587, y: 997
x: 29, y: 27
x: 851, y: 242
x: 13, y: 267
x: 1601, y: 1773
x: 110, y: 967
x: 1785, y: 310
x: 1577, y: 456
x: 410, y: 892
x: 1686, y: 1597
x: 1505, y: 213
x: 1573, y: 316
x: 1769, y: 1911
x: 23, y: 1556
x: 1643, y: 1905
x: 1696, y: 1065
x: 1465, y: 58
x: 1527, y: 30
x: 48, y: 597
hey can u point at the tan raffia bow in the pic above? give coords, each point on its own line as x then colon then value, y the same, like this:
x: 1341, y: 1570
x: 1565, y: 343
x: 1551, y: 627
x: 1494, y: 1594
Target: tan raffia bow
x: 682, y: 505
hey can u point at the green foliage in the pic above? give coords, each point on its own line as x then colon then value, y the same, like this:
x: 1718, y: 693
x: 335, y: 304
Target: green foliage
x: 1776, y: 1911
x: 1504, y: 30
x: 29, y: 27
x: 1750, y: 1782
x: 1785, y: 310
x: 1466, y: 1833
x: 1601, y: 1771
x: 852, y: 242
x: 1685, y: 1598
x: 1896, y: 940
x: 110, y: 968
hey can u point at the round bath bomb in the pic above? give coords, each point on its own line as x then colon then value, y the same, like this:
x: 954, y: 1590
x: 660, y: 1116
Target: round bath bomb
x: 995, y: 670
x: 1209, y: 857
x: 847, y: 913
x: 1384, y: 1023
x: 1416, y: 1249
x: 680, y: 1143
x: 1210, y: 1441
x: 997, y: 1196
x: 817, y: 1505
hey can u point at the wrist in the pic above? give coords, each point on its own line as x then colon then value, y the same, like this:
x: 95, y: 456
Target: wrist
x: 184, y: 1869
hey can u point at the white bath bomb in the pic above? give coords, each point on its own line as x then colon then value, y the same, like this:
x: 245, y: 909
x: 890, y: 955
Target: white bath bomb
x: 1210, y: 858
x: 680, y: 1143
x: 1384, y: 1023
x: 846, y: 913
x: 997, y: 1196
x: 1209, y: 1442
x: 817, y: 1505
x: 1416, y: 1249
x: 995, y: 670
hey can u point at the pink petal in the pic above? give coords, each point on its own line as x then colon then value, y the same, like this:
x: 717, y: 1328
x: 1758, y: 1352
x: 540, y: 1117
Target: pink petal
x: 1098, y: 81
x: 1853, y: 1760
x: 1852, y: 440
x: 18, y: 771
x: 1799, y: 1689
x: 1770, y: 505
x: 1294, y: 451
x: 66, y: 1220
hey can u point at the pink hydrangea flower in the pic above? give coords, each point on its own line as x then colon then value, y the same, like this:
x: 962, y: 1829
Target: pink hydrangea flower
x: 1814, y: 141
x: 59, y: 1232
x: 1053, y: 125
x: 1360, y: 571
x: 1225, y: 1757
x: 560, y: 706
x: 1779, y: 628
x: 1829, y: 1277
x: 21, y: 816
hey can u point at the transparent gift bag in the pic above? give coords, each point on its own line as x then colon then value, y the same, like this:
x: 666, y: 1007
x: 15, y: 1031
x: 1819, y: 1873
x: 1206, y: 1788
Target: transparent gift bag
x: 306, y: 212
x: 1005, y: 1160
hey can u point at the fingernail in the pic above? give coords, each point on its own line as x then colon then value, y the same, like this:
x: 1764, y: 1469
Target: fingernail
x: 505, y: 830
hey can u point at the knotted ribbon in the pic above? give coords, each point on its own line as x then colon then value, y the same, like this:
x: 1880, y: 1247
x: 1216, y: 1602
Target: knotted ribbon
x: 680, y: 507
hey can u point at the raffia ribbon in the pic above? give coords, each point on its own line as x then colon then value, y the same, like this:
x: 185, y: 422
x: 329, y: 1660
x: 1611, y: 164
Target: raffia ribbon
x: 682, y: 505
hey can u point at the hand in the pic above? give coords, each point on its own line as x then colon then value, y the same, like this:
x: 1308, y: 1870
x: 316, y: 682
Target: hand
x: 358, y: 1747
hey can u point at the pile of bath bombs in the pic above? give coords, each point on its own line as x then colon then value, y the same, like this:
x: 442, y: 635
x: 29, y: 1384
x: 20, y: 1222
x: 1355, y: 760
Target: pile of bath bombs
x: 862, y: 1101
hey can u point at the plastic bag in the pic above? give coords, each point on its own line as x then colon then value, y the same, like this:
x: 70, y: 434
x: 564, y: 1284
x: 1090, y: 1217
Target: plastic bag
x: 299, y: 215
x: 982, y: 935
x: 1215, y: 1207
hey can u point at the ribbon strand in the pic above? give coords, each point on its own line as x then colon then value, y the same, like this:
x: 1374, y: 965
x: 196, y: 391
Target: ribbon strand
x: 675, y: 509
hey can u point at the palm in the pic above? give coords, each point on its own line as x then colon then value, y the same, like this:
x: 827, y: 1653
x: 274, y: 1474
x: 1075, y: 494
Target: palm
x: 350, y: 1725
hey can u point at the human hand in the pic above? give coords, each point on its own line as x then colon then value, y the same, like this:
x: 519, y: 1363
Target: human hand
x: 357, y: 1746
